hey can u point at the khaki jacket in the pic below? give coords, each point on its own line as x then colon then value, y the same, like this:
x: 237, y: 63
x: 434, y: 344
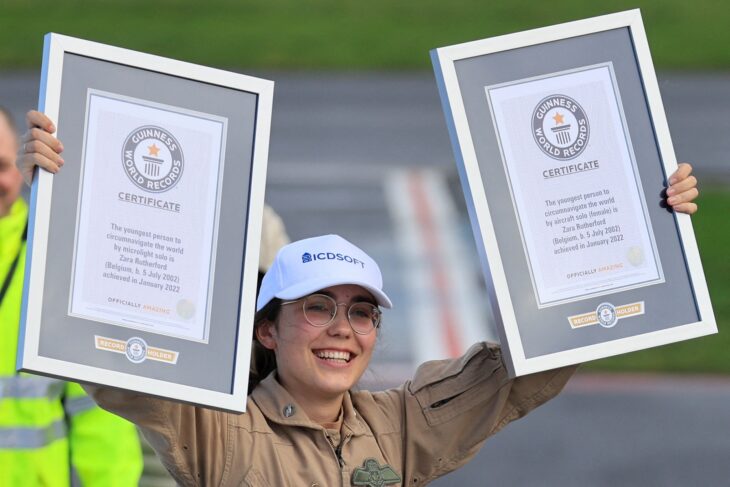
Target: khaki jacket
x: 411, y: 435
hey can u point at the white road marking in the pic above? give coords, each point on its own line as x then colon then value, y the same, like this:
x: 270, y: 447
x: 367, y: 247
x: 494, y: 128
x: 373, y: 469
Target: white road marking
x: 446, y: 308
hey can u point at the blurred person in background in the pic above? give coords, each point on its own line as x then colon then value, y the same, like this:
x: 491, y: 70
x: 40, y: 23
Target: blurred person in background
x: 273, y: 238
x: 51, y: 432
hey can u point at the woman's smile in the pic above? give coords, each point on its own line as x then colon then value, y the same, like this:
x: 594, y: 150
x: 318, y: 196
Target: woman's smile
x: 334, y: 357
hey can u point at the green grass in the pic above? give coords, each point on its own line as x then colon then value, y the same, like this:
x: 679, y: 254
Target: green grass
x: 702, y: 355
x: 342, y: 34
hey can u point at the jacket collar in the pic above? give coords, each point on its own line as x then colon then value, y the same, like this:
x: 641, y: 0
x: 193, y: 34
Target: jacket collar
x: 279, y: 406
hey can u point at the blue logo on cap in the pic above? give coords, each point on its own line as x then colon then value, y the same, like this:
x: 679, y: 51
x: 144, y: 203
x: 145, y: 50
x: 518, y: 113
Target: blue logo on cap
x: 307, y: 257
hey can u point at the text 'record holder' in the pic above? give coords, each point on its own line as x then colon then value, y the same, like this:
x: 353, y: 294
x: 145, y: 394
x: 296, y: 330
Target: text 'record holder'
x: 563, y: 150
x: 143, y: 251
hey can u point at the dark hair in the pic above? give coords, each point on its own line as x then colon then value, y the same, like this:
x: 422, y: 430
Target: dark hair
x: 263, y: 360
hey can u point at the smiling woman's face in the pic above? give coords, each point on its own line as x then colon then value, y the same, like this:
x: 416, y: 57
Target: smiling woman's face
x: 302, y: 350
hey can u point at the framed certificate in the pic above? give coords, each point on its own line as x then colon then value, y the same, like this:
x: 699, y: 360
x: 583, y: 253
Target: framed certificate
x: 563, y: 150
x: 143, y: 250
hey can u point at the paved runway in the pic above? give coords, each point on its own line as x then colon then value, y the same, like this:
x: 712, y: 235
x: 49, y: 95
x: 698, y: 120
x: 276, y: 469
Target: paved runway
x: 337, y: 144
x: 606, y: 432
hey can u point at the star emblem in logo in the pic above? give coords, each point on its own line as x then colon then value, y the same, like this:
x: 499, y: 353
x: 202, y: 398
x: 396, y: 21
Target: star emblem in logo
x: 559, y: 119
x: 153, y: 149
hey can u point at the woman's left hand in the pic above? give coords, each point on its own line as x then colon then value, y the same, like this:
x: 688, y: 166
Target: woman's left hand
x: 682, y: 190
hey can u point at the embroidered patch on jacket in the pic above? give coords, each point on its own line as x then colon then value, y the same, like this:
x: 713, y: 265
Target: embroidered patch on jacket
x: 371, y: 474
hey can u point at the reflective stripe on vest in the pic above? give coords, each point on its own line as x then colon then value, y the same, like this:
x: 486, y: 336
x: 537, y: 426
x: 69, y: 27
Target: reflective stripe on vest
x: 78, y: 405
x: 32, y: 437
x: 75, y: 478
x: 25, y: 387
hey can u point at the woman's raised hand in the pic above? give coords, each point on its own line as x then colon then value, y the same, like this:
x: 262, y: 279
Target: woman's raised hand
x: 38, y: 146
x: 682, y: 190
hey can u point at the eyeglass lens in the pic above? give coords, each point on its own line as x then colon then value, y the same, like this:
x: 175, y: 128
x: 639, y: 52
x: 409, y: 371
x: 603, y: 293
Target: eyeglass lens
x: 319, y: 310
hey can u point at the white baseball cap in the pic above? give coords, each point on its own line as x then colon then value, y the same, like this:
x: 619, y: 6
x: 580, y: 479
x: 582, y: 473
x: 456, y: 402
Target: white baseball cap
x: 306, y: 266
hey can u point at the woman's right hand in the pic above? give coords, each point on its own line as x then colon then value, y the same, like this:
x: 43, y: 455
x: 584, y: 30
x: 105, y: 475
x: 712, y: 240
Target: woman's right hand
x: 38, y: 147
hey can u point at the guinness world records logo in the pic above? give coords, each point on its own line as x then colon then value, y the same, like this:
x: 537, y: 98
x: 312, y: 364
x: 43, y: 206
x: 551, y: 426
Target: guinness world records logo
x: 606, y: 315
x: 136, y: 350
x: 560, y: 127
x: 152, y: 159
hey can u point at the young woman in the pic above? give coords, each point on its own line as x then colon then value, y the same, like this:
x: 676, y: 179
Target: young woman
x: 318, y: 314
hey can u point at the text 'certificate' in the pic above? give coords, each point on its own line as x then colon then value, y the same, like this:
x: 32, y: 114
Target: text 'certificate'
x: 574, y: 184
x: 147, y: 219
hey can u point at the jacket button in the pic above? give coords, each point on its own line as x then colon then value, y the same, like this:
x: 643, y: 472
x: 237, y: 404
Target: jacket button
x: 288, y: 411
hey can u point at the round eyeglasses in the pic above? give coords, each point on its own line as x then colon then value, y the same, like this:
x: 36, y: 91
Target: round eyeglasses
x: 320, y: 310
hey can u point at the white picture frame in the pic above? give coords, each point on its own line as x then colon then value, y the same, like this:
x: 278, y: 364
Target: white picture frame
x: 460, y: 70
x: 219, y: 364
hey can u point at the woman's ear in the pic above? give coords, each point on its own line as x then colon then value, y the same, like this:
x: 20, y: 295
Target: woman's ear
x: 266, y: 334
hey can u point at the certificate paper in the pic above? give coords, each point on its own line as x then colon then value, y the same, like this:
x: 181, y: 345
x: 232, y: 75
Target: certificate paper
x: 147, y: 219
x: 574, y: 184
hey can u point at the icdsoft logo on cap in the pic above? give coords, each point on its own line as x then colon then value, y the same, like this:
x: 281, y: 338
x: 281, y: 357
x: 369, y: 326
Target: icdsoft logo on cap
x: 307, y: 257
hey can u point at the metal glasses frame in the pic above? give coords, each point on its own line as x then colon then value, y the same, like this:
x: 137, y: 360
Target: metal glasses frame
x: 349, y: 308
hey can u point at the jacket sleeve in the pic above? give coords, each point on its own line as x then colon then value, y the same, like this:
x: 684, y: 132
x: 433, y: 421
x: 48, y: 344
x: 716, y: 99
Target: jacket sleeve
x: 105, y: 449
x: 451, y: 407
x: 190, y: 441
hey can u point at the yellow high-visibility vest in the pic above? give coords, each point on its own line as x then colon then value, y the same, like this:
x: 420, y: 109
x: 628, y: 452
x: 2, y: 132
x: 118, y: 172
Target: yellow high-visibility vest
x: 51, y: 432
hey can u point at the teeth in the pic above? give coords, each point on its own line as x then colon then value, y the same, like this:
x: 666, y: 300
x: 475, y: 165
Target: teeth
x: 333, y: 355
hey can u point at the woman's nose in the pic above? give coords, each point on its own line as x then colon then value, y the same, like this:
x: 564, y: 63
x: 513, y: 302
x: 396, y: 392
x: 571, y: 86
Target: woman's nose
x: 341, y: 322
